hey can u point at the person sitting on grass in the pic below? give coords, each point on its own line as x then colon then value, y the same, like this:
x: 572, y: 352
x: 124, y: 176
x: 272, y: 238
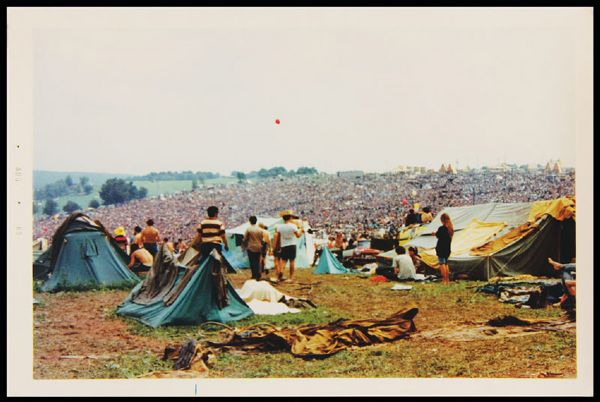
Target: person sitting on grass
x: 141, y: 259
x: 568, y: 279
x: 403, y: 265
x: 413, y: 253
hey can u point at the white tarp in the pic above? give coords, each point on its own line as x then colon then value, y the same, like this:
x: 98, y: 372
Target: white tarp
x: 263, y: 298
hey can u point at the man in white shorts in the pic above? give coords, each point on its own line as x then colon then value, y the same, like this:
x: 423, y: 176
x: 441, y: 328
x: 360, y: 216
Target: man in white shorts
x: 285, y: 237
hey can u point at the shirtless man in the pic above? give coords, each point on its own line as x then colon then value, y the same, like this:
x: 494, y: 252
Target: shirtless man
x: 136, y: 239
x: 150, y: 237
x: 141, y: 259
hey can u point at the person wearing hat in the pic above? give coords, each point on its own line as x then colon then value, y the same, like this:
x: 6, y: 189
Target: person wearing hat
x: 285, y: 239
x: 121, y: 238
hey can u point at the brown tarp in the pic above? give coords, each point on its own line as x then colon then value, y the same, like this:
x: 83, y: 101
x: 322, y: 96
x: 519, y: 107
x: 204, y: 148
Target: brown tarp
x: 219, y: 277
x: 160, y: 279
x: 325, y: 340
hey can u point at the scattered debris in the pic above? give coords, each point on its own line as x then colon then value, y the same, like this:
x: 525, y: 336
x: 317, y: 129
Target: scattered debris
x: 401, y: 287
x: 504, y: 321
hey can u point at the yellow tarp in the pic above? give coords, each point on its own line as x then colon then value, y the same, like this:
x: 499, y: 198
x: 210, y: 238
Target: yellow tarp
x: 503, y: 241
x: 474, y: 235
x: 409, y: 234
x: 560, y: 209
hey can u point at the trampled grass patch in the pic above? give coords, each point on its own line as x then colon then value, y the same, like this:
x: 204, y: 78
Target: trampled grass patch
x: 75, y: 322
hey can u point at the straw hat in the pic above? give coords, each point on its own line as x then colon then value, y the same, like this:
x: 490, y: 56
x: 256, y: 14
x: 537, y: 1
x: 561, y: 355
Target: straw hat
x: 120, y: 231
x: 288, y: 212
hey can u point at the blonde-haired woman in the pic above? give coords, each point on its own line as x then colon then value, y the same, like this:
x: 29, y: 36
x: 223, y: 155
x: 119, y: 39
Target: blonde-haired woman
x: 442, y: 249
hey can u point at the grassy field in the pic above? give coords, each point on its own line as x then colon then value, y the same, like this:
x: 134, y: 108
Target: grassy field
x: 78, y: 335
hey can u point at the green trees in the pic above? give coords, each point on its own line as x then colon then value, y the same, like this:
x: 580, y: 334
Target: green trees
x: 185, y: 175
x: 94, y: 204
x: 50, y: 207
x: 66, y: 186
x: 241, y: 176
x: 116, y: 191
x: 71, y: 207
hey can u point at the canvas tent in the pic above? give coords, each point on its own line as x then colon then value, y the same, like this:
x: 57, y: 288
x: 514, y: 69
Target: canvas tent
x: 328, y: 264
x: 176, y: 294
x: 505, y: 239
x: 82, y: 256
x: 239, y: 259
x: 191, y: 257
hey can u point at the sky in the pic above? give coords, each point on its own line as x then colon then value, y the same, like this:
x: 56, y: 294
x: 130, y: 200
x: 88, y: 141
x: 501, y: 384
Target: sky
x: 135, y: 91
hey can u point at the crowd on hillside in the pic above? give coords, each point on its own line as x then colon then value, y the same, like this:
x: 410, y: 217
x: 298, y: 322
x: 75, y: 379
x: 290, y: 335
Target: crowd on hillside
x: 361, y: 206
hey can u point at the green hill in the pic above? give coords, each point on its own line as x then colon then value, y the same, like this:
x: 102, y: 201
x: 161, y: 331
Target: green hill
x: 43, y: 177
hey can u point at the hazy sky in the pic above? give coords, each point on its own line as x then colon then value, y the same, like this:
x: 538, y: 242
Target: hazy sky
x: 354, y: 88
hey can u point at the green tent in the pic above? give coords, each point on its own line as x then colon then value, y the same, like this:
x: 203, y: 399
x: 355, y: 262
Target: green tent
x: 83, y: 256
x: 328, y: 264
x: 174, y: 294
x: 504, y: 239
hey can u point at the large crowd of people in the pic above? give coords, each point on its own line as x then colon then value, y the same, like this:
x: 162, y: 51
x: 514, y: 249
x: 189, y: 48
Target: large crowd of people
x: 357, y: 207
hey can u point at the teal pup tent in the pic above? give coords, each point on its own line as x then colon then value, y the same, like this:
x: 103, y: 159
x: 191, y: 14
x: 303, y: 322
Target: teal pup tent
x: 328, y: 264
x: 176, y: 294
x: 83, y: 256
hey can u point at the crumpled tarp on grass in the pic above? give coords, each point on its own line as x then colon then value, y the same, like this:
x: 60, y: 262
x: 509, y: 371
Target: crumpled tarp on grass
x: 310, y: 341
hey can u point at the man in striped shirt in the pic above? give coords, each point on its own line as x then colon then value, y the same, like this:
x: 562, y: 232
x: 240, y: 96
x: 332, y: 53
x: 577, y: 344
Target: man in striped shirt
x: 211, y: 232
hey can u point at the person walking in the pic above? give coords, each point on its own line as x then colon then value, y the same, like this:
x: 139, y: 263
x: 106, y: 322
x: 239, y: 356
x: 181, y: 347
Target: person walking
x: 444, y: 236
x: 285, y: 238
x: 267, y: 249
x: 253, y: 243
x: 211, y: 233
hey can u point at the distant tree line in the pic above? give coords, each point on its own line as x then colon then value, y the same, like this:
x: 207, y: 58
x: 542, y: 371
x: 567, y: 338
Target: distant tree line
x: 186, y: 175
x: 274, y: 172
x: 66, y: 186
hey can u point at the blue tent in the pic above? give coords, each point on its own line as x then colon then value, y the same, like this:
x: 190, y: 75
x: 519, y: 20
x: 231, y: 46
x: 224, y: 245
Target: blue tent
x: 83, y: 257
x: 328, y: 264
x: 184, y: 296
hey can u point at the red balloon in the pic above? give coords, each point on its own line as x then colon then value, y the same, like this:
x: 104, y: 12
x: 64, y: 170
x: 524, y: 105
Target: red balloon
x: 277, y: 121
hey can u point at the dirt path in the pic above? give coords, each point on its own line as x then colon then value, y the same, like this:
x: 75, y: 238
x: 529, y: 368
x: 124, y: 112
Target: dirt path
x: 76, y: 333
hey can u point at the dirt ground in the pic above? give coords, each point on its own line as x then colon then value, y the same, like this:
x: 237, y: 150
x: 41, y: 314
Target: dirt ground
x: 78, y: 335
